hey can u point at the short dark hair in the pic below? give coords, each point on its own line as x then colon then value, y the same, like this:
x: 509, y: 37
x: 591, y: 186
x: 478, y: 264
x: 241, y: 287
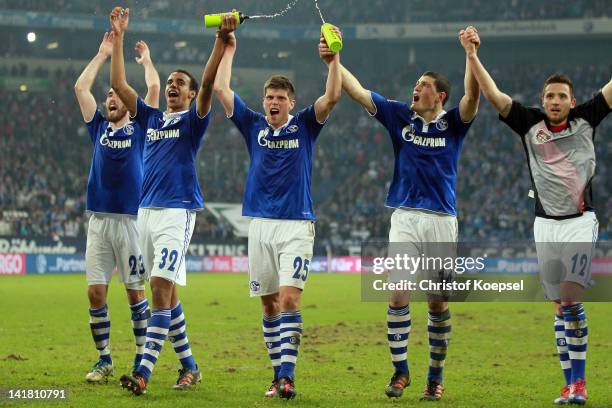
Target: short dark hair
x: 193, y: 83
x: 441, y: 83
x: 280, y: 82
x: 559, y: 78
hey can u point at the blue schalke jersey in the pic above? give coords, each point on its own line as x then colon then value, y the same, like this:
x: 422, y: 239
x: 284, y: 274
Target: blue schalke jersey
x: 115, y: 175
x: 278, y: 183
x: 426, y: 156
x: 171, y: 144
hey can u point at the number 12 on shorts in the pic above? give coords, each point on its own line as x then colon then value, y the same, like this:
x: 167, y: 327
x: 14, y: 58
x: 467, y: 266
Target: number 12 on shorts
x: 301, y: 268
x: 580, y: 262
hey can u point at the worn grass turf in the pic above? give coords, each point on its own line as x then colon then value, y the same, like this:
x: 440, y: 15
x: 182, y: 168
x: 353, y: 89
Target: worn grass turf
x: 501, y: 354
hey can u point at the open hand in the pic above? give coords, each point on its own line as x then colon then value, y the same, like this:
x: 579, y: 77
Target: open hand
x: 106, y: 46
x: 144, y: 55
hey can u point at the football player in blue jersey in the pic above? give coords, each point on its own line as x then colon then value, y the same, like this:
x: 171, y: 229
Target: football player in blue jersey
x: 559, y: 144
x: 427, y: 141
x: 278, y: 198
x: 113, y: 194
x: 170, y: 197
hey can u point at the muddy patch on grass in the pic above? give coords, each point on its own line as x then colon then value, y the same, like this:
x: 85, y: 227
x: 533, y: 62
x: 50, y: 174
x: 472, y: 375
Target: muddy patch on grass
x: 14, y: 357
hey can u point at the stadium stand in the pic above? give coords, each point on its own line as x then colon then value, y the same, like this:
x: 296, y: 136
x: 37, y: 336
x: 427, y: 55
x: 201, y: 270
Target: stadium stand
x: 352, y: 11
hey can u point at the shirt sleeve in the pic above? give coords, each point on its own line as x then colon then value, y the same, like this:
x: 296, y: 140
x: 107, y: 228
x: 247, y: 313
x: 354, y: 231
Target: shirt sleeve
x: 242, y: 116
x: 385, y: 110
x: 142, y: 113
x: 95, y: 126
x: 461, y: 127
x: 594, y: 110
x: 309, y: 118
x: 521, y: 119
x: 198, y: 124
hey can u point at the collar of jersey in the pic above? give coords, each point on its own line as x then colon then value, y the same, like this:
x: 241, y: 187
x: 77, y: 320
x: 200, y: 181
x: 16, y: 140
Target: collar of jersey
x: 277, y: 131
x: 172, y: 115
x: 434, y: 120
x: 116, y: 129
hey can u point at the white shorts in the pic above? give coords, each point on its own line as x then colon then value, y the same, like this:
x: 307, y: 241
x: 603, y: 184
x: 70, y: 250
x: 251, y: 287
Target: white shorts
x: 280, y: 252
x: 165, y: 235
x: 565, y: 250
x: 419, y: 233
x: 113, y: 241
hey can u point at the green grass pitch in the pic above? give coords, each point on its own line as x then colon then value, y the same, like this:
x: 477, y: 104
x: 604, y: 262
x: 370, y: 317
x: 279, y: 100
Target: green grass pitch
x: 501, y: 354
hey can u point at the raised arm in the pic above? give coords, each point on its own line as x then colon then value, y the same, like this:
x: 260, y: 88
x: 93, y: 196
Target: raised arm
x: 204, y: 98
x: 333, y: 87
x: 224, y: 75
x: 498, y: 99
x: 468, y: 106
x: 350, y: 84
x: 82, y: 87
x: 151, y: 75
x: 119, y: 18
x: 358, y: 93
x: 607, y: 93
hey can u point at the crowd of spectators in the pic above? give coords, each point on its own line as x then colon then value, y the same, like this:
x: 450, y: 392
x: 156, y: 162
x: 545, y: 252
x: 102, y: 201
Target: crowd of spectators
x: 351, y: 11
x: 45, y: 155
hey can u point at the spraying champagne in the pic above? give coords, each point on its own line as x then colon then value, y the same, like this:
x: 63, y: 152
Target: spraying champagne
x: 214, y: 20
x: 333, y: 40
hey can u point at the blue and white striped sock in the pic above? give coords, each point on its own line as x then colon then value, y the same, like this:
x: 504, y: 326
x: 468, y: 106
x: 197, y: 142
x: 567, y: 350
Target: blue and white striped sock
x: 577, y: 335
x: 140, y: 317
x: 566, y: 364
x: 291, y: 334
x: 99, y: 323
x: 178, y: 336
x: 157, y: 331
x: 272, y: 339
x: 398, y: 330
x: 439, y: 328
